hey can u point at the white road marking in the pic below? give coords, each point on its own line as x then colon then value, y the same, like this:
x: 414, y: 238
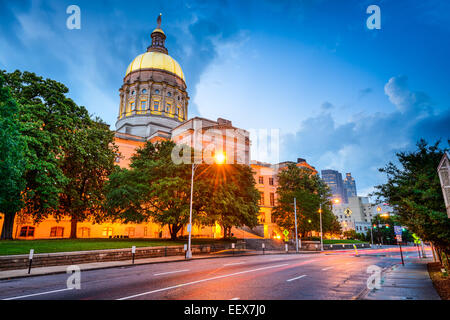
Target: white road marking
x: 160, y: 274
x: 199, y: 281
x: 37, y: 294
x: 233, y: 264
x: 296, y: 278
x: 324, y: 269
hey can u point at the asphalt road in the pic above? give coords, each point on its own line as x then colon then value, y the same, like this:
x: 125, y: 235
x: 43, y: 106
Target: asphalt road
x: 329, y: 275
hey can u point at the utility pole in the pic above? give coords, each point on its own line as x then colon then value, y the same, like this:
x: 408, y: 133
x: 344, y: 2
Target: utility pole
x: 295, y: 216
x: 371, y: 233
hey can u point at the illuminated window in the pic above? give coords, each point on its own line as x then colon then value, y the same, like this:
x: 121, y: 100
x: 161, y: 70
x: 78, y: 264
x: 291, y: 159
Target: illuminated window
x: 107, y: 232
x: 272, y: 199
x: 262, y: 218
x: 129, y: 231
x: 57, y: 232
x: 261, y: 200
x: 85, y: 232
x: 27, y: 231
x: 261, y: 180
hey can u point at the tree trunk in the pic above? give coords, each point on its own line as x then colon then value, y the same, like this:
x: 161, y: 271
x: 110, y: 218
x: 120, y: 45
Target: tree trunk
x: 8, y: 225
x: 73, y: 228
x: 173, y: 229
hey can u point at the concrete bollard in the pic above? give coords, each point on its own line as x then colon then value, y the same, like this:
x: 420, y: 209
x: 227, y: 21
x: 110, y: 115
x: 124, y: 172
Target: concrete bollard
x: 30, y: 257
x: 133, y: 252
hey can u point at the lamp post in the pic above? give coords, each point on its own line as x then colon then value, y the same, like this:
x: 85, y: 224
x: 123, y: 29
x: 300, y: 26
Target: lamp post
x: 219, y: 159
x: 321, y: 232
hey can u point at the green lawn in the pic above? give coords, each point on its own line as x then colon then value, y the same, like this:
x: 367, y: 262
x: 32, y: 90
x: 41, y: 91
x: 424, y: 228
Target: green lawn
x: 326, y: 241
x: 9, y: 247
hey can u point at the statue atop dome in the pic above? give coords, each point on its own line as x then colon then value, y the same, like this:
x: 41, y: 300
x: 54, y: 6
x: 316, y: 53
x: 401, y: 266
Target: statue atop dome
x: 158, y: 38
x: 158, y: 21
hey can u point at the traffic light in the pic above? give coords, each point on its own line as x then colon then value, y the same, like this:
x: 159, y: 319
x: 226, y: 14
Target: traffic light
x: 387, y: 226
x: 374, y: 226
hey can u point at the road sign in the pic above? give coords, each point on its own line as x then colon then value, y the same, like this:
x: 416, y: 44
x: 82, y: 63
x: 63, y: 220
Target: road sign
x: 285, y: 232
x: 348, y: 212
x: 398, y: 230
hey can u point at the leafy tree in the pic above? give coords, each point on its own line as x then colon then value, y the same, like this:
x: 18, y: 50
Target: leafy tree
x: 62, y: 144
x: 154, y: 188
x: 310, y: 193
x: 414, y: 190
x: 233, y: 197
x: 89, y: 160
x: 12, y: 160
x: 386, y: 235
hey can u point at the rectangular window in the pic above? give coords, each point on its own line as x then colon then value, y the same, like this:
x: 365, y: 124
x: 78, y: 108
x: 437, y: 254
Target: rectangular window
x: 261, y: 180
x: 107, y: 232
x: 85, y: 232
x: 143, y: 105
x: 271, y: 181
x: 272, y: 199
x: 57, y: 232
x: 261, y: 200
x: 132, y: 104
x: 129, y: 231
x: 27, y: 231
x: 156, y: 105
x: 168, y: 106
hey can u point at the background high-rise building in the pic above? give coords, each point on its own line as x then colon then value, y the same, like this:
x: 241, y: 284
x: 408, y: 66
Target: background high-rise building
x: 350, y: 185
x: 334, y: 181
x: 341, y: 189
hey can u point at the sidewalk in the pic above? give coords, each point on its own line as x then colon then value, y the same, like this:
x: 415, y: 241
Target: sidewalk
x: 10, y: 274
x: 409, y: 282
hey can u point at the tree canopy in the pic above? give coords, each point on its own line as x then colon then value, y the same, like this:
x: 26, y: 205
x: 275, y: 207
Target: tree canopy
x: 155, y: 188
x: 414, y: 190
x: 61, y: 143
x: 311, y: 194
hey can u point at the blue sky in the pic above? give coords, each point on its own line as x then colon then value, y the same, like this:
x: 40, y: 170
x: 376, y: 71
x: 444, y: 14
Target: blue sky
x: 344, y: 97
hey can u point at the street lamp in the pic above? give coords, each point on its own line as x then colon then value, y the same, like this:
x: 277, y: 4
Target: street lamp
x: 321, y: 233
x: 219, y: 159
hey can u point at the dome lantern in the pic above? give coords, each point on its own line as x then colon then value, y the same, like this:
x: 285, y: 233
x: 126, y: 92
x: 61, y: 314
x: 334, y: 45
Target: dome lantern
x: 158, y: 39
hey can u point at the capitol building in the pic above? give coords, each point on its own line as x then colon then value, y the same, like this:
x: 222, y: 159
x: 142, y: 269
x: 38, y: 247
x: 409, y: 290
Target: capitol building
x: 154, y: 106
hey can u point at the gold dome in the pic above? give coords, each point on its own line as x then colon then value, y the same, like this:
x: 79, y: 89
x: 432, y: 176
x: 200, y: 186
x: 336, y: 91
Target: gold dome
x: 155, y: 60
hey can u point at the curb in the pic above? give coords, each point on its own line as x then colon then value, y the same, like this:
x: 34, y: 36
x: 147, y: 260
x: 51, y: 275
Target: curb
x: 366, y: 290
x: 145, y: 263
